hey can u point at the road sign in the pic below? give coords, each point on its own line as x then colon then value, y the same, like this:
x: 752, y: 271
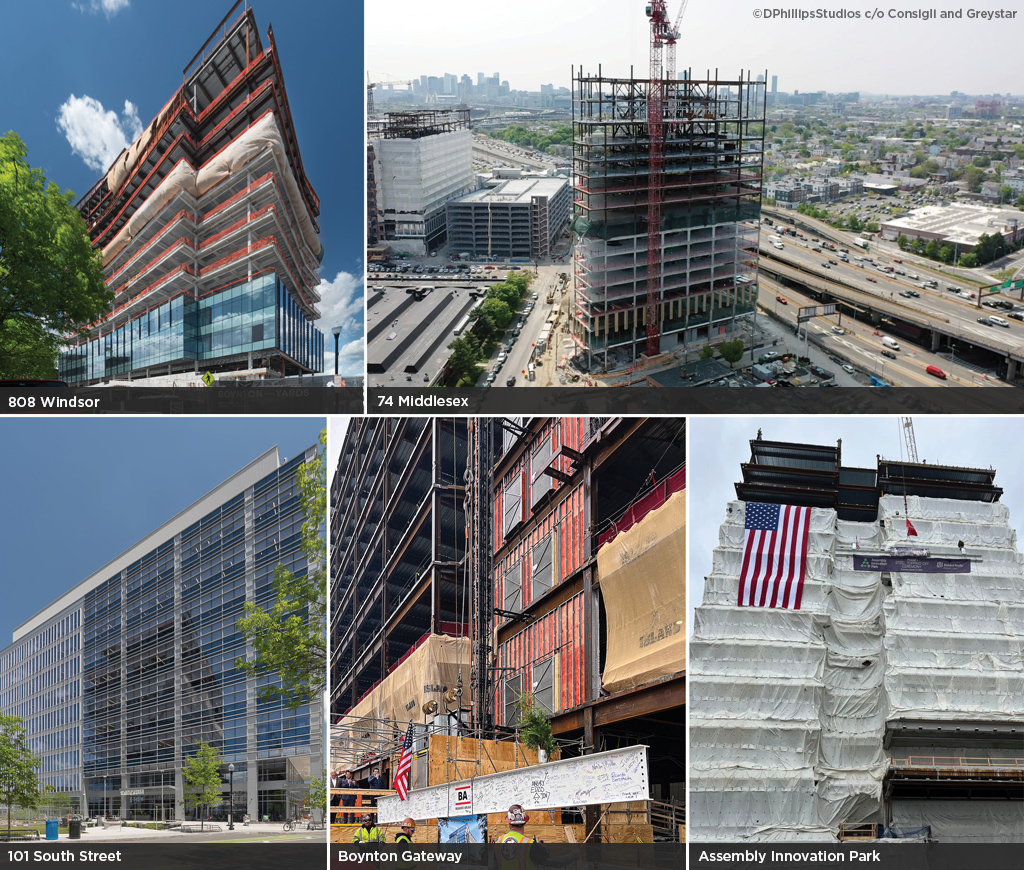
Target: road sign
x: 810, y: 311
x: 208, y: 379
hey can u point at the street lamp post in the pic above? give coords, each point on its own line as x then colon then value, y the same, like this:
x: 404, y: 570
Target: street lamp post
x: 231, y: 767
x: 336, y: 330
x: 104, y: 796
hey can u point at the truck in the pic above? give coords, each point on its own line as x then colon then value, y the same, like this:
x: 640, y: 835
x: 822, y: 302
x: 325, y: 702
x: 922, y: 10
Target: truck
x: 862, y: 243
x: 891, y: 343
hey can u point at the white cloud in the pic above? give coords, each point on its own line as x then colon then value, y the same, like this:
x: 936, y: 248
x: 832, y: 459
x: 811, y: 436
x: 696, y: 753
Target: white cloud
x: 342, y: 305
x: 95, y: 134
x: 107, y: 7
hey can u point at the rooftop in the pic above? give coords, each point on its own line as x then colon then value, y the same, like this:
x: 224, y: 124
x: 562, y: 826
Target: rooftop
x: 517, y: 190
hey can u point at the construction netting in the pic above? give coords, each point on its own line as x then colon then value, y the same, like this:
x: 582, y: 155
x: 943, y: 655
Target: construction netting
x: 430, y: 671
x: 264, y: 135
x: 642, y: 574
x: 790, y: 709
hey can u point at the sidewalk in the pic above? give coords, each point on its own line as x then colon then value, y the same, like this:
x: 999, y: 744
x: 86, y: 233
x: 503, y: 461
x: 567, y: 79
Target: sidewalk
x: 125, y: 833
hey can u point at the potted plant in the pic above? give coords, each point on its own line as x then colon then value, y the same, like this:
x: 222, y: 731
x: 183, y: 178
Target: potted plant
x: 535, y: 728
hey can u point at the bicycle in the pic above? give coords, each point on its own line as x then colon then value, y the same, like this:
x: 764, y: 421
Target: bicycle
x: 289, y: 825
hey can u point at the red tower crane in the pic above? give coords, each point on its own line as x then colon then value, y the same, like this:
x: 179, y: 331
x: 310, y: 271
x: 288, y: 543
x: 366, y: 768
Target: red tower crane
x: 660, y: 33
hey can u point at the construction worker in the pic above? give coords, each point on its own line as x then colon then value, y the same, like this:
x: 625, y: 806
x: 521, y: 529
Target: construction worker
x: 519, y: 852
x: 368, y: 832
x: 408, y: 830
x: 517, y: 819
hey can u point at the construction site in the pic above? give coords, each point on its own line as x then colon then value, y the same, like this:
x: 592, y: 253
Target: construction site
x: 208, y: 232
x: 418, y: 161
x: 488, y: 575
x: 667, y: 191
x: 878, y: 696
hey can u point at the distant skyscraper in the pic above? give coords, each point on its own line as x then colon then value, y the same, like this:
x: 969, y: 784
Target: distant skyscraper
x: 775, y: 84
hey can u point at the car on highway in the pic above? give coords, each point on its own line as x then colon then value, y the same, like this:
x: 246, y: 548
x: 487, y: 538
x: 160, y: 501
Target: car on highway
x: 985, y: 321
x: 913, y: 277
x: 1016, y: 315
x: 936, y: 371
x: 963, y: 294
x: 833, y: 262
x: 825, y: 266
x: 838, y: 330
x: 782, y: 299
x: 872, y: 280
x: 908, y: 294
x: 849, y: 369
x: 889, y: 354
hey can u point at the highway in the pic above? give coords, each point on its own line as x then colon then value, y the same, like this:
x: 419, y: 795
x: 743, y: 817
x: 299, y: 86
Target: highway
x: 862, y: 284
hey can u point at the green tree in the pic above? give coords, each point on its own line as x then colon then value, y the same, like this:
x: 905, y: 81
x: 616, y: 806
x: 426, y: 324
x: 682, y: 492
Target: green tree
x: 974, y: 177
x: 466, y: 352
x: 289, y: 640
x: 732, y: 351
x: 316, y: 792
x: 968, y: 261
x: 201, y: 775
x: 707, y: 352
x: 51, y: 280
x: 19, y: 785
x: 498, y: 311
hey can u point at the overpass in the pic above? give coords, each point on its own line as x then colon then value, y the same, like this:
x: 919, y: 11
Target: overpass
x: 932, y: 330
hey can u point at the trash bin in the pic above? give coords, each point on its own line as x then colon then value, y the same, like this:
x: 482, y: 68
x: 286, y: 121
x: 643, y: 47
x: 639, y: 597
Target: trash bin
x: 51, y: 829
x: 75, y: 829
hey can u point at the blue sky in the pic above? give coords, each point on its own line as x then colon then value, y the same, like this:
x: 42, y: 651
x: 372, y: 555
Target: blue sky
x: 78, y: 493
x: 93, y: 72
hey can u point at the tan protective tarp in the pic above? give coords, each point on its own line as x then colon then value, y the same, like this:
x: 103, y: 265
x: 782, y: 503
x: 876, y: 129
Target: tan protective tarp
x: 127, y: 159
x: 253, y: 142
x: 643, y: 583
x: 424, y: 676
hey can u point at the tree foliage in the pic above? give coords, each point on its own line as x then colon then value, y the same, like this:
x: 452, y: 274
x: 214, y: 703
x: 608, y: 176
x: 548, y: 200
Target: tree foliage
x: 316, y: 792
x: 51, y: 279
x: 534, y: 727
x: 289, y: 639
x: 732, y: 351
x: 201, y: 775
x: 19, y: 784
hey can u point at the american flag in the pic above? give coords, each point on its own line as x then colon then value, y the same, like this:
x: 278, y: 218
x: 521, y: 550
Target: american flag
x: 404, y: 766
x: 774, y: 555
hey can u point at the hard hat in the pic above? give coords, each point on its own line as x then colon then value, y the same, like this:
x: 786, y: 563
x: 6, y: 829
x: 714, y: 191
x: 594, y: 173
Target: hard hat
x: 408, y: 823
x: 366, y: 817
x: 517, y: 815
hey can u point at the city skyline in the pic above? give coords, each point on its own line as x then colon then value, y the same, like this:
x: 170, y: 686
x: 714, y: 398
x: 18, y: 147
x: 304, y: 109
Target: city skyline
x: 534, y: 43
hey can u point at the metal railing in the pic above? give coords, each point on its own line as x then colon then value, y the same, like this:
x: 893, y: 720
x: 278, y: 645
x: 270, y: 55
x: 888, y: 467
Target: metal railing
x: 925, y: 761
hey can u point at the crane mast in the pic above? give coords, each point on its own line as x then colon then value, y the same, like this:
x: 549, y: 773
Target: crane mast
x: 658, y: 14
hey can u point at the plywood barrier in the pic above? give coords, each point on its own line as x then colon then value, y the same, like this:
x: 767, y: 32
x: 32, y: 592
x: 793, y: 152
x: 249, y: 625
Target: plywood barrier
x: 544, y: 833
x: 451, y: 759
x: 537, y: 817
x: 424, y: 833
x: 682, y: 833
x: 627, y: 833
x: 626, y: 813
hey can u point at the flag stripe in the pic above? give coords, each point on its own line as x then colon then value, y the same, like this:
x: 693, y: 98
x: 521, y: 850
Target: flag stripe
x: 774, y: 563
x: 404, y: 766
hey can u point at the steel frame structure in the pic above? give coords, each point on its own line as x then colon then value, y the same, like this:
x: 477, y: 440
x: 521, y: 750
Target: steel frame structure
x: 689, y: 200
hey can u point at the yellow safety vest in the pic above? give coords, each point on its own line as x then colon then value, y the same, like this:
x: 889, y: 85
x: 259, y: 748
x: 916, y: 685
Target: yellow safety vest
x: 373, y: 835
x: 514, y: 853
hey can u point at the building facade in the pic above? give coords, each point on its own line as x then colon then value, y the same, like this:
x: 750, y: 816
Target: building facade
x: 397, y: 541
x: 119, y: 679
x: 421, y: 161
x: 707, y: 180
x: 519, y: 218
x: 888, y: 700
x: 208, y: 233
x: 575, y: 627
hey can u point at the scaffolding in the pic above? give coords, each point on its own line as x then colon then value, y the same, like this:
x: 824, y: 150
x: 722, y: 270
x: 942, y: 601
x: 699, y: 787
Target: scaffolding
x: 711, y: 158
x: 417, y: 124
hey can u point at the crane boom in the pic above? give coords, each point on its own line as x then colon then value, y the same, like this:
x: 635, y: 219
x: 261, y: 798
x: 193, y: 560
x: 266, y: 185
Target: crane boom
x: 673, y: 38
